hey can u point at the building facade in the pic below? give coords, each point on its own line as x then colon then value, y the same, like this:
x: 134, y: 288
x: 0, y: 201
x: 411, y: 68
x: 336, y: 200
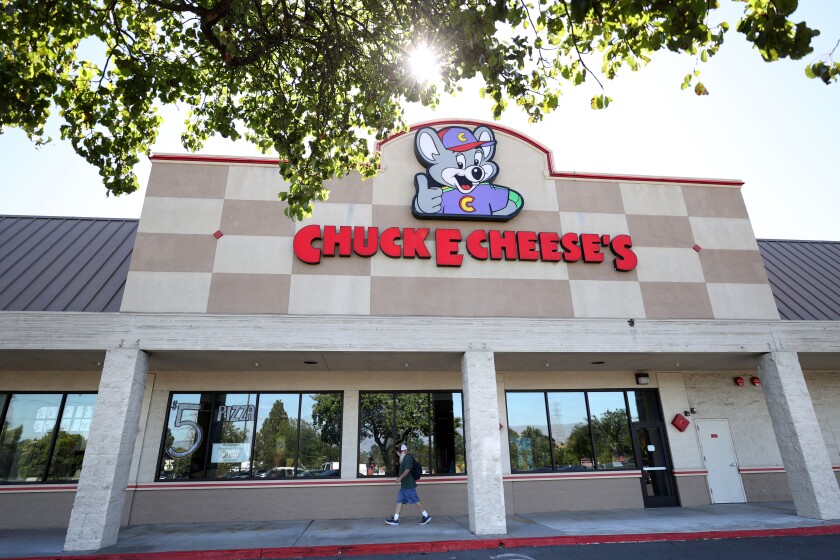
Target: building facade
x: 542, y: 340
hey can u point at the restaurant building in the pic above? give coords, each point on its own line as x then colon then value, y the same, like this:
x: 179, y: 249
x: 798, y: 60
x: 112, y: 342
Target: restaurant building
x: 541, y: 340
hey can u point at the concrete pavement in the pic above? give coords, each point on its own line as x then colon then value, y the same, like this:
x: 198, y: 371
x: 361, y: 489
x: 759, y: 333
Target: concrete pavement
x: 304, y: 538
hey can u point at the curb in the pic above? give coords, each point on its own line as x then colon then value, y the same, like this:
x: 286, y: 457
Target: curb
x: 442, y: 546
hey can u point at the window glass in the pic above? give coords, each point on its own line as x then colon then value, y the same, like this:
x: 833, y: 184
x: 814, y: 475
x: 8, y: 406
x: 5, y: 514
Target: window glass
x: 26, y: 436
x: 231, y: 435
x: 320, y: 434
x: 414, y: 425
x: 184, y: 445
x: 611, y: 430
x: 644, y: 406
x: 430, y: 424
x: 530, y: 449
x: 376, y: 433
x: 570, y: 432
x: 74, y: 430
x: 276, y: 443
x: 447, y: 435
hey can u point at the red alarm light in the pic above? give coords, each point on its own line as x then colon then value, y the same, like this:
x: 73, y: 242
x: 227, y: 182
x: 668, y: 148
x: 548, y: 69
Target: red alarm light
x: 755, y: 381
x: 680, y: 422
x: 739, y: 381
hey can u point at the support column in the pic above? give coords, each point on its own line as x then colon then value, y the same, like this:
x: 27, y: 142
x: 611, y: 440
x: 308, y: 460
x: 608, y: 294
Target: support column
x: 349, y: 436
x: 100, y: 495
x: 804, y: 455
x: 485, y: 491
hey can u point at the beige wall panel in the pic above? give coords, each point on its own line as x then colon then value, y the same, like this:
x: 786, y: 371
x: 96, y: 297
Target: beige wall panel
x: 338, y: 214
x: 172, y: 292
x: 715, y: 202
x: 523, y: 168
x: 36, y: 510
x: 723, y: 233
x: 742, y: 301
x: 685, y: 447
x: 254, y: 254
x: 382, y: 265
x: 693, y: 491
x: 589, y: 196
x: 167, y: 252
x: 180, y: 215
x: 286, y: 502
x: 607, y: 299
x: 186, y: 180
x: 766, y: 487
x: 350, y: 189
x: 661, y: 264
x: 330, y: 295
x: 654, y: 200
x: 249, y: 293
x: 585, y: 222
x: 676, y: 300
x: 741, y: 267
x: 256, y: 217
x: 394, y: 184
x: 254, y: 182
x: 353, y: 265
x: 466, y: 298
x: 398, y: 216
x: 50, y: 381
x: 660, y: 231
x: 601, y: 271
x: 540, y: 196
x: 575, y: 495
x: 716, y: 396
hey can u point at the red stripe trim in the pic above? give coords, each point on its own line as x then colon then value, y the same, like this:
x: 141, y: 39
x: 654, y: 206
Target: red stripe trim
x: 691, y: 473
x: 572, y: 475
x: 449, y: 546
x: 288, y: 483
x: 753, y: 470
x: 39, y: 488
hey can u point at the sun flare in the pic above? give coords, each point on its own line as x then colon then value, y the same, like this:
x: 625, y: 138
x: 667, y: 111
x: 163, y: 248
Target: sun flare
x: 424, y: 64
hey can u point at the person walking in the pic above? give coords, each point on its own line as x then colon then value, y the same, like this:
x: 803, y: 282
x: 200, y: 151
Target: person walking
x: 408, y: 489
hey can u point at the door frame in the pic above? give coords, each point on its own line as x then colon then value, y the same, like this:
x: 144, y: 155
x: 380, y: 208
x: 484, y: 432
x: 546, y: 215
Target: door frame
x: 705, y: 421
x: 672, y: 499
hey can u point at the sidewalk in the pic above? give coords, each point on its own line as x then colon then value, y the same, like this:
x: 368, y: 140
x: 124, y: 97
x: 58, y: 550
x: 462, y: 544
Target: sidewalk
x: 347, y: 537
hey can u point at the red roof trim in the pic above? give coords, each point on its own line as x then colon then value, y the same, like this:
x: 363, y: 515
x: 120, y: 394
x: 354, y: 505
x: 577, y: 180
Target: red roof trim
x: 200, y: 158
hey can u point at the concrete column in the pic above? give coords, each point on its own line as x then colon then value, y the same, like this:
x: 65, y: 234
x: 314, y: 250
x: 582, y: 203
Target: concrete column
x: 349, y: 434
x: 97, y: 510
x: 812, y: 482
x: 485, y: 491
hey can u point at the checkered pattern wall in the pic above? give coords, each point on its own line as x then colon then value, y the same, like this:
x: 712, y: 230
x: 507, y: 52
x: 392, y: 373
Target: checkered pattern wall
x: 213, y: 238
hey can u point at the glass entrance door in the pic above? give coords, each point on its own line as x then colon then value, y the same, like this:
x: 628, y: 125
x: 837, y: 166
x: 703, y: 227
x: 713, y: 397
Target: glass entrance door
x: 658, y: 487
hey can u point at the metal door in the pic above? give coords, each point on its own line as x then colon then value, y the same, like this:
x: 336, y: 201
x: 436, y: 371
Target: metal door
x: 725, y: 483
x: 658, y: 488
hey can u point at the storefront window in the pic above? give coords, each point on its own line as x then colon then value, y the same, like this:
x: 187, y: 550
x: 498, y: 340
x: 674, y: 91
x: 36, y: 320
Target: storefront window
x: 575, y: 431
x: 73, y: 434
x: 570, y: 432
x: 33, y: 439
x: 530, y: 448
x: 251, y: 435
x: 611, y: 430
x: 430, y: 424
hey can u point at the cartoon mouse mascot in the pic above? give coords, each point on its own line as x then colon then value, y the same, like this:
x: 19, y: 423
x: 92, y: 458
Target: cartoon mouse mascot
x: 459, y: 170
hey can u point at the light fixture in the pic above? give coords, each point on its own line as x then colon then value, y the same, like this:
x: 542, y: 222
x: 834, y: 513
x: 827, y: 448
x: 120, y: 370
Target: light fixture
x: 642, y: 379
x: 310, y: 362
x: 256, y: 364
x: 597, y: 363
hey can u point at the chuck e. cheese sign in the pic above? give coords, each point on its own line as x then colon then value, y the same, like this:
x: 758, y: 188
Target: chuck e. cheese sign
x: 457, y: 185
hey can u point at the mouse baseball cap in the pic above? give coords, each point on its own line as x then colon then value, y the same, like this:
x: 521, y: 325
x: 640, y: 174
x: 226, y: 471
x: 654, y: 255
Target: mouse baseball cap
x: 403, y: 447
x: 459, y: 139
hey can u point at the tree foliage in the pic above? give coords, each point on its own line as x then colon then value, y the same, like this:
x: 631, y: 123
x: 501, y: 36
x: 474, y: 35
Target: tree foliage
x: 316, y: 80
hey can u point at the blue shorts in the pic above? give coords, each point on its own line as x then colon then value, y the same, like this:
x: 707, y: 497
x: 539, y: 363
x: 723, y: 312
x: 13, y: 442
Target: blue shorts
x: 407, y: 496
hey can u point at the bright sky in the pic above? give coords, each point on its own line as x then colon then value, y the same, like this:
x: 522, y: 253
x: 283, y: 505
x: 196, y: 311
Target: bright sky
x: 765, y: 124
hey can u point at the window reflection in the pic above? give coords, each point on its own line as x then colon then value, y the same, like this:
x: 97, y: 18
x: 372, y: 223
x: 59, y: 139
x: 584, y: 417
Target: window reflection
x: 27, y: 435
x: 320, y: 435
x: 570, y: 432
x: 611, y: 430
x: 74, y: 431
x: 231, y: 433
x: 530, y: 449
x: 276, y: 443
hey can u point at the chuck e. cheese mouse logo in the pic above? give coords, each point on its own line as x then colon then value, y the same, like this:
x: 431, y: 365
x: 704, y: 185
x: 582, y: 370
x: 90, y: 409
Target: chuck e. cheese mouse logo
x: 460, y: 169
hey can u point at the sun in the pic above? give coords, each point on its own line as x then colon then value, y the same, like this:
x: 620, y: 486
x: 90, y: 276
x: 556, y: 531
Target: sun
x: 424, y: 64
